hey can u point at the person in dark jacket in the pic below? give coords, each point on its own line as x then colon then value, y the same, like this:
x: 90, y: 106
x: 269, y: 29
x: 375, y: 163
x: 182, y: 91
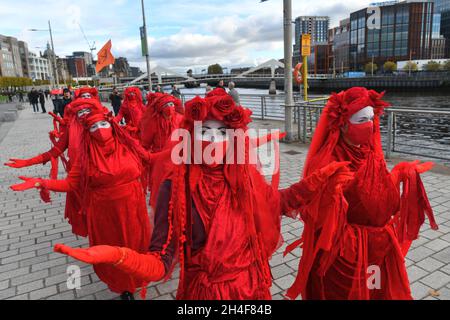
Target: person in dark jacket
x: 176, y: 92
x: 116, y: 100
x: 34, y: 99
x: 67, y: 98
x: 42, y: 101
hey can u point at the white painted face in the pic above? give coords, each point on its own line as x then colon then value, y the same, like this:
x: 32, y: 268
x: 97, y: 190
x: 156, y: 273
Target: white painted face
x: 212, y: 131
x: 99, y: 125
x: 83, y: 112
x: 86, y: 96
x: 363, y: 116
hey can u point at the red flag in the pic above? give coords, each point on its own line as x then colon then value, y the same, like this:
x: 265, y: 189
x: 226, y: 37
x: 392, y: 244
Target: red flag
x: 104, y: 57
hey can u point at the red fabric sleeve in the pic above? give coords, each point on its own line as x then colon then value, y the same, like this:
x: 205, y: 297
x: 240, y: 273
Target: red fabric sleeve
x: 60, y: 146
x: 71, y: 183
x: 413, y: 207
x: 144, y: 267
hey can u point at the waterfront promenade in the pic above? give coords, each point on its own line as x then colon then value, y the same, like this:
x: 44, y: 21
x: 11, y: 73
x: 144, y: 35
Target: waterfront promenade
x: 29, y: 228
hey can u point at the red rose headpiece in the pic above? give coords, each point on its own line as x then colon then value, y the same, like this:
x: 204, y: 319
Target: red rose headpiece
x: 341, y: 106
x: 220, y: 108
x: 92, y: 91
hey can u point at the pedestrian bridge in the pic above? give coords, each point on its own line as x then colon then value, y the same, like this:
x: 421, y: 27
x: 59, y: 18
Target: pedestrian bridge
x: 264, y: 72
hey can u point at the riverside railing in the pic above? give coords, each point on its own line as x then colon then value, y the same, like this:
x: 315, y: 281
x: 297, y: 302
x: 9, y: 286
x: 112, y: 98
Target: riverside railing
x: 424, y: 133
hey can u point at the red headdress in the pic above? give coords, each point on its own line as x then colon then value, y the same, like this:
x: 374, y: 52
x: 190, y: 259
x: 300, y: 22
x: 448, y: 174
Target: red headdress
x: 336, y: 114
x: 92, y: 91
x: 133, y: 105
x: 155, y: 128
x: 216, y: 92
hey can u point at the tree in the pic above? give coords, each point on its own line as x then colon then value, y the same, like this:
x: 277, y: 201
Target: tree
x: 215, y: 69
x: 368, y: 68
x: 390, y: 66
x: 432, y: 66
x: 446, y: 65
x: 410, y: 66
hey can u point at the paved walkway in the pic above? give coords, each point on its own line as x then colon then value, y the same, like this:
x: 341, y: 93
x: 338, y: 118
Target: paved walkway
x: 29, y: 229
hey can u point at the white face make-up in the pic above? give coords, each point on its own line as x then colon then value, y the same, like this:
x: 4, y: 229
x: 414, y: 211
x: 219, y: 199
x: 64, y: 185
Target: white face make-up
x: 363, y: 116
x: 99, y: 125
x: 86, y: 96
x: 212, y: 131
x: 83, y: 112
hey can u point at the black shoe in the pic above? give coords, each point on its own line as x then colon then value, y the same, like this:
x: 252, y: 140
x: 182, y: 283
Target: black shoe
x: 126, y: 296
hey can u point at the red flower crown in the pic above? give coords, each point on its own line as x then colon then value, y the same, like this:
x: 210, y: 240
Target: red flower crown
x: 341, y: 106
x: 222, y: 108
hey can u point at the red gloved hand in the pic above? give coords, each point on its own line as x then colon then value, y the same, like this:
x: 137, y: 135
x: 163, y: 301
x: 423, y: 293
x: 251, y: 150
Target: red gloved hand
x: 337, y: 170
x: 29, y: 183
x: 93, y: 255
x: 22, y: 163
x: 401, y: 170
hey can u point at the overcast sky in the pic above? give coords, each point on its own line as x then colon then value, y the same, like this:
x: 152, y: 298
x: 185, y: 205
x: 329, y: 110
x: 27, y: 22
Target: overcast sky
x: 182, y: 34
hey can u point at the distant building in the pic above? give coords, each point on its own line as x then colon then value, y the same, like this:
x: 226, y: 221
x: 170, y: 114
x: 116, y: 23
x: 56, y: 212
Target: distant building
x: 339, y: 39
x: 63, y: 70
x: 40, y: 68
x: 135, y: 72
x: 121, y: 67
x: 405, y: 31
x: 11, y: 58
x: 438, y: 48
x: 88, y: 60
x: 77, y: 67
x: 317, y: 27
x: 24, y: 58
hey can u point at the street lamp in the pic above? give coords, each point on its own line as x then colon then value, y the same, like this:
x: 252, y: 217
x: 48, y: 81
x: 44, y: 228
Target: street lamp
x: 53, y: 49
x: 288, y: 84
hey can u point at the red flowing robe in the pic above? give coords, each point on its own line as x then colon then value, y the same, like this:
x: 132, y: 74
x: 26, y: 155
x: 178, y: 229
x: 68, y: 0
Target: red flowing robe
x: 116, y: 211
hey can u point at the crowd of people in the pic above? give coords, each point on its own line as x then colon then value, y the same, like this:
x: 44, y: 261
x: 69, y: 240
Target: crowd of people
x: 220, y: 220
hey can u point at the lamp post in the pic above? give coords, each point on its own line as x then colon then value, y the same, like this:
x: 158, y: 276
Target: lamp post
x: 147, y: 55
x: 55, y: 69
x: 288, y: 84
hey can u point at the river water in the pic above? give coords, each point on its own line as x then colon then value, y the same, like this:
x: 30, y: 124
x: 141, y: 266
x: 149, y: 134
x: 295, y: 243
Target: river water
x: 419, y: 100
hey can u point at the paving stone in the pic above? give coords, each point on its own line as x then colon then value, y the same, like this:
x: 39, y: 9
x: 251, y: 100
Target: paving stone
x: 436, y: 280
x: 30, y: 286
x: 429, y: 264
x: 415, y: 273
x: 437, y: 245
x: 43, y: 293
x: 285, y: 282
x: 419, y: 290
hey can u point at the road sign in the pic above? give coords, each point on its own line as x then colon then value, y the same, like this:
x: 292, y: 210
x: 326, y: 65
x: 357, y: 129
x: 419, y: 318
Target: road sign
x: 306, y: 45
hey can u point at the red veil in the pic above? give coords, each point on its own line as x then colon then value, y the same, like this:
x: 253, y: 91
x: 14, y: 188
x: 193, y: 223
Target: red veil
x: 132, y: 107
x: 367, y: 215
x: 92, y: 91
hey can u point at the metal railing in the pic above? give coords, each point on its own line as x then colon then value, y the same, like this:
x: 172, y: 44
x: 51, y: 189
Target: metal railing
x: 423, y: 133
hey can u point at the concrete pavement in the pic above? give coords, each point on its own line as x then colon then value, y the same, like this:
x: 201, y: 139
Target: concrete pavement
x: 30, y: 228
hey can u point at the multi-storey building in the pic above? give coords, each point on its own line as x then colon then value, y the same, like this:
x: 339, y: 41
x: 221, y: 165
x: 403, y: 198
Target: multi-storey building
x: 40, y: 68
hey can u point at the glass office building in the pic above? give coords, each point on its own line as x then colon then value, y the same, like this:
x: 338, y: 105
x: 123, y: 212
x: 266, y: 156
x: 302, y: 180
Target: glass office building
x: 405, y: 31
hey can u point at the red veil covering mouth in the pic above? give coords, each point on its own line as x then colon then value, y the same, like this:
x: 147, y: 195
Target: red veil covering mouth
x: 242, y: 190
x: 132, y: 105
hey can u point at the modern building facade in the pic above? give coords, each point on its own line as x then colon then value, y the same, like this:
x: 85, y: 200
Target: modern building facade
x: 13, y: 57
x: 316, y: 26
x: 405, y: 33
x: 77, y: 67
x: 40, y: 68
x: 339, y: 39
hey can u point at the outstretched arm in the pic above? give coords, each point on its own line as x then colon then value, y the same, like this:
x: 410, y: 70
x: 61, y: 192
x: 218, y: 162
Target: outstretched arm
x: 58, y: 149
x: 303, y: 192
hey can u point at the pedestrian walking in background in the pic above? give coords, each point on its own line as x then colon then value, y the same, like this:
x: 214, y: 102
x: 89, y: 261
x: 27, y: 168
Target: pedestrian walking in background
x: 176, y: 92
x: 116, y: 100
x: 21, y: 96
x: 34, y: 99
x: 233, y: 93
x: 208, y: 90
x: 42, y: 101
x: 47, y: 93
